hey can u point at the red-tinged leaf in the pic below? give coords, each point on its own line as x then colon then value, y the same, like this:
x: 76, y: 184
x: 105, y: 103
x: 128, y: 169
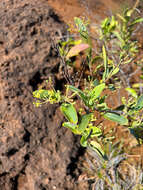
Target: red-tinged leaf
x: 76, y: 50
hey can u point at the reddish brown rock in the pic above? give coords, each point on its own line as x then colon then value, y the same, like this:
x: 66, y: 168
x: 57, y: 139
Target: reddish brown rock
x: 35, y: 152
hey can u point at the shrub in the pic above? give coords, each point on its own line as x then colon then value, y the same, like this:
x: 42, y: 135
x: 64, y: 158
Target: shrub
x: 103, y: 62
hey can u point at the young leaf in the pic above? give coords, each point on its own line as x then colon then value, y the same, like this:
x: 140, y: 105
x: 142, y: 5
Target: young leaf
x: 82, y: 29
x: 75, y: 50
x: 105, y: 62
x: 96, y: 146
x: 79, y: 93
x: 137, y: 85
x: 72, y: 127
x: 69, y: 112
x: 115, y: 71
x: 83, y: 141
x: 76, y: 90
x: 96, y: 131
x: 105, y: 22
x: 75, y: 42
x: 132, y: 92
x: 139, y: 104
x: 80, y: 24
x: 85, y: 119
x: 137, y: 20
x: 95, y: 93
x: 113, y: 24
x: 93, y: 131
x: 129, y: 12
x: 69, y: 125
x: 117, y: 118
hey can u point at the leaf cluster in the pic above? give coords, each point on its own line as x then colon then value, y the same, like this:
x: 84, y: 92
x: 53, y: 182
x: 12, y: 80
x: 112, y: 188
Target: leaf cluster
x: 116, y: 48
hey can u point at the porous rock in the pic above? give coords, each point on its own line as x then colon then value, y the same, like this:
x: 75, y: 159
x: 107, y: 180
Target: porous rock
x: 34, y: 150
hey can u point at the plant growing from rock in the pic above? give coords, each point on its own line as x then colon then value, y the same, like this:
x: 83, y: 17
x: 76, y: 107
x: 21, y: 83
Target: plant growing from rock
x: 103, y: 62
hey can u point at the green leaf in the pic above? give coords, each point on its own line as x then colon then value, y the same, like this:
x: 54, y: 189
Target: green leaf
x: 84, y: 121
x: 69, y: 125
x: 97, y: 147
x: 132, y: 92
x: 105, y: 22
x: 80, y: 24
x: 95, y: 93
x: 94, y: 131
x: 76, y: 42
x: 69, y: 112
x: 137, y: 21
x: 105, y: 62
x: 79, y: 92
x: 83, y: 141
x: 139, y: 104
x: 82, y: 28
x: 75, y: 50
x: 137, y: 85
x: 129, y: 12
x: 113, y: 24
x: 73, y: 127
x: 116, y: 117
x: 115, y: 71
x: 128, y: 61
x: 76, y: 90
x: 102, y: 106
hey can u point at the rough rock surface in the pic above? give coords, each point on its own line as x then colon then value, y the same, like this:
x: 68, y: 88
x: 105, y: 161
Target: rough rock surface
x: 35, y: 152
